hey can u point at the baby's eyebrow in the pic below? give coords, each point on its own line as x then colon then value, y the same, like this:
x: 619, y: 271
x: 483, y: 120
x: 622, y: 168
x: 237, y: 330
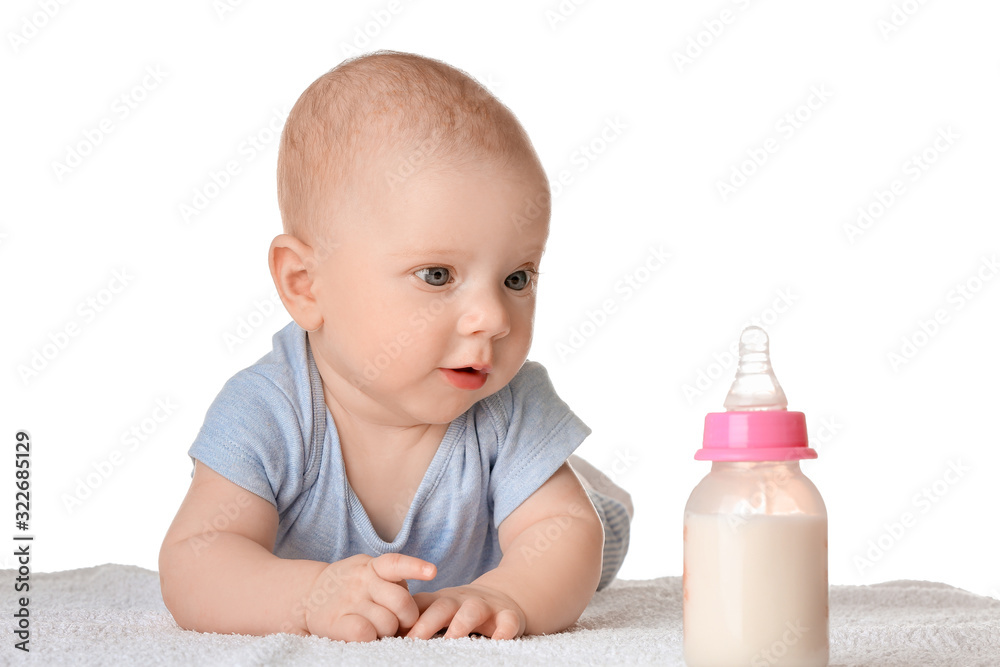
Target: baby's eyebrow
x: 455, y: 252
x: 418, y: 252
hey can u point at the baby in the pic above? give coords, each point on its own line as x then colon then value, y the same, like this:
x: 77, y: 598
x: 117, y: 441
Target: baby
x: 395, y: 466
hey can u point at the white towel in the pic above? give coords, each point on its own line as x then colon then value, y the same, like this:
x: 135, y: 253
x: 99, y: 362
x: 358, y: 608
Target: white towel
x: 113, y: 615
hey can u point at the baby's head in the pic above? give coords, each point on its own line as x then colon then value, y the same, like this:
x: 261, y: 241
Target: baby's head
x: 415, y: 212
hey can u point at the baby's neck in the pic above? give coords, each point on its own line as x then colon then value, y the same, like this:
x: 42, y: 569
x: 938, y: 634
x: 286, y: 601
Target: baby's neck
x: 361, y: 434
x: 388, y: 445
x: 385, y: 473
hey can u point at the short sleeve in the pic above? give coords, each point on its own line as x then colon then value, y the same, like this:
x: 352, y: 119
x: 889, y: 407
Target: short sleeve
x: 253, y: 437
x: 541, y: 432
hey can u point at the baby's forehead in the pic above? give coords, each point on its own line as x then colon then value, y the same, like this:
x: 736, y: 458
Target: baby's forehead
x: 464, y: 209
x: 394, y: 149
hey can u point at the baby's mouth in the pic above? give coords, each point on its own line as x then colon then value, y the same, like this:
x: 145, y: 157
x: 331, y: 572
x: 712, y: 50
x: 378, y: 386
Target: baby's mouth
x: 466, y: 377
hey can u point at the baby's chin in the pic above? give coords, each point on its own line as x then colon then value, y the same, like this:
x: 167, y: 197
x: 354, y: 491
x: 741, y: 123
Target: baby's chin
x: 445, y: 411
x: 446, y: 406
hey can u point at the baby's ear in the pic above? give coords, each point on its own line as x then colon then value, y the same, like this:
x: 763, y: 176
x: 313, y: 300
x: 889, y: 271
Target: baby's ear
x: 293, y: 270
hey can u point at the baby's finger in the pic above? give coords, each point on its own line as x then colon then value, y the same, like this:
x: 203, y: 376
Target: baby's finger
x: 508, y: 625
x: 436, y: 616
x: 424, y: 600
x: 353, y: 628
x: 383, y: 620
x: 397, y: 600
x: 397, y: 567
x: 473, y: 613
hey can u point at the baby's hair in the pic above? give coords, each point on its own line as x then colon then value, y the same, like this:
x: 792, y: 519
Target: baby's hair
x: 373, y: 120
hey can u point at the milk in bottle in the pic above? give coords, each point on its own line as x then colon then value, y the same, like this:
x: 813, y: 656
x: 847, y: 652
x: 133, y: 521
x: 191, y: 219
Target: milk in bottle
x: 755, y: 532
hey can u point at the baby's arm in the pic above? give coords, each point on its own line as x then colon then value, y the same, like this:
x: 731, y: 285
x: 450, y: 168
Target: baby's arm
x: 552, y: 550
x: 218, y: 574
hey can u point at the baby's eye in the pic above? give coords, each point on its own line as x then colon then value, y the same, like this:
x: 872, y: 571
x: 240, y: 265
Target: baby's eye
x: 435, y: 275
x: 518, y: 280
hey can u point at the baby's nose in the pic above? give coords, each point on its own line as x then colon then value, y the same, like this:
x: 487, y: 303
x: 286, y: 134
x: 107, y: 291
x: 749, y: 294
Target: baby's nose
x: 485, y: 313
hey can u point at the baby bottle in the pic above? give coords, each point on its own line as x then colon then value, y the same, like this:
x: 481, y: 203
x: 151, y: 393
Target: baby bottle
x: 755, y: 550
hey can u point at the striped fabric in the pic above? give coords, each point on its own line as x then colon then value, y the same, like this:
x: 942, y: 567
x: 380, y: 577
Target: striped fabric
x: 616, y: 534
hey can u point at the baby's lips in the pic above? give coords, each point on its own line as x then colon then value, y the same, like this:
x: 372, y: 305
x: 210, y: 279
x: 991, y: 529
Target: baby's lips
x: 478, y: 367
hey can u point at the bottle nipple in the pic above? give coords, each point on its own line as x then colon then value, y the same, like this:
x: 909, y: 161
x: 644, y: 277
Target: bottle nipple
x: 755, y: 386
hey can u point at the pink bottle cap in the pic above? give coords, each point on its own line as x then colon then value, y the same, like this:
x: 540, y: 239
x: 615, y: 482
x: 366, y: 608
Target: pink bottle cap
x: 757, y: 425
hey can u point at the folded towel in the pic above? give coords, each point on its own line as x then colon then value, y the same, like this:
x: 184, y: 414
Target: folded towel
x: 113, y: 615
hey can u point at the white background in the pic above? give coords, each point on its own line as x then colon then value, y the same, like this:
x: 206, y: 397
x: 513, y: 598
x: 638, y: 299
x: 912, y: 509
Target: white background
x: 885, y: 430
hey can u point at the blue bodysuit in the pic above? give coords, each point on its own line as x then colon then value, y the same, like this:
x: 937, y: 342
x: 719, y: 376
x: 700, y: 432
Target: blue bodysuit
x: 269, y: 431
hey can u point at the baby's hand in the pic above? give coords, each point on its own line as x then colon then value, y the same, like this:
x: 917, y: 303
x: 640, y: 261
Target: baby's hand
x: 362, y: 598
x: 467, y: 609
